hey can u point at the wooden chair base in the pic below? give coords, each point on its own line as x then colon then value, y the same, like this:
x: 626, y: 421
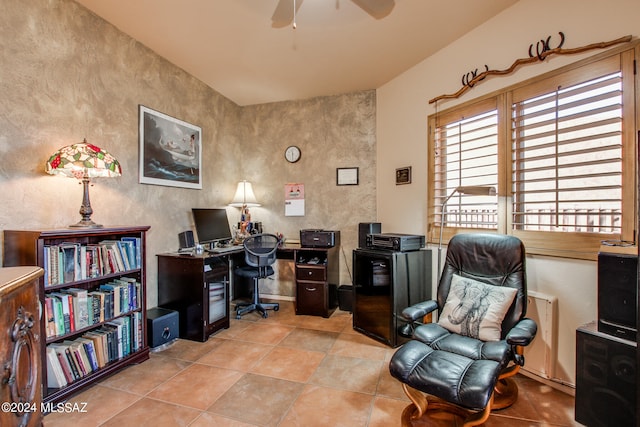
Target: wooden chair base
x: 505, y: 393
x: 421, y: 403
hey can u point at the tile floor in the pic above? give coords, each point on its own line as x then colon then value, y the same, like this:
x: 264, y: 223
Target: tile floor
x: 284, y: 371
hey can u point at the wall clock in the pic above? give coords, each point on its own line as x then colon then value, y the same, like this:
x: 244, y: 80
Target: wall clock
x: 292, y: 154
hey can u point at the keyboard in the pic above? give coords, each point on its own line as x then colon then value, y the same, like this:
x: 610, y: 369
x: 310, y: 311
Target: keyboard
x: 222, y: 250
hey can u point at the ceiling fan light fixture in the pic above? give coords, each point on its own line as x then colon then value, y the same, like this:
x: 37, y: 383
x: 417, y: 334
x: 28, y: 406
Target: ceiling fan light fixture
x: 286, y: 10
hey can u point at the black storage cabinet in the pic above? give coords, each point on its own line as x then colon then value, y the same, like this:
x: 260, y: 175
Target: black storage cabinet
x: 385, y: 283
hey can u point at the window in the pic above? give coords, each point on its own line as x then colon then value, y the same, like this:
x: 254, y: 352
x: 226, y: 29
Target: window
x: 559, y: 149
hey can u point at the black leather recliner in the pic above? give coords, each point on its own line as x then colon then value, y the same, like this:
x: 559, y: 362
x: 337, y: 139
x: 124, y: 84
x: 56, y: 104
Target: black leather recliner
x: 458, y: 370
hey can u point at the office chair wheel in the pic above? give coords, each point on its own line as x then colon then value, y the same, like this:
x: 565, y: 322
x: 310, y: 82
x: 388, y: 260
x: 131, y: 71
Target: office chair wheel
x: 276, y: 308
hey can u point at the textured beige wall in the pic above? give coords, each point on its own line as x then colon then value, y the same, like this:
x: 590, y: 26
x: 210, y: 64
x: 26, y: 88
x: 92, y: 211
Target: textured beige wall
x: 66, y: 75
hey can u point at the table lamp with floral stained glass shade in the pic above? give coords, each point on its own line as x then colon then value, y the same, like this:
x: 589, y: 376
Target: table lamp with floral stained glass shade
x: 83, y: 161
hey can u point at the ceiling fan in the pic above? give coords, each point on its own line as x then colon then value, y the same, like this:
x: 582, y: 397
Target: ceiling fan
x: 285, y: 12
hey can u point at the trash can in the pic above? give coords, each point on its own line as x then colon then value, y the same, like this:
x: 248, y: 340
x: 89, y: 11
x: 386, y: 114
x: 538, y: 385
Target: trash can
x: 345, y: 297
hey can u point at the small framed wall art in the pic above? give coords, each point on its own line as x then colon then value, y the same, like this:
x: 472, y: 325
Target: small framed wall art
x: 347, y: 176
x: 403, y: 175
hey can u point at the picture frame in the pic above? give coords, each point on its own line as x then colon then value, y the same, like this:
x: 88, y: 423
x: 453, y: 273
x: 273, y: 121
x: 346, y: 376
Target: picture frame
x: 170, y: 150
x: 347, y: 176
x: 403, y: 175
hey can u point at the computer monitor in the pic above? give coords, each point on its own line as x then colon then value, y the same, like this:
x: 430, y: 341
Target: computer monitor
x: 212, y: 225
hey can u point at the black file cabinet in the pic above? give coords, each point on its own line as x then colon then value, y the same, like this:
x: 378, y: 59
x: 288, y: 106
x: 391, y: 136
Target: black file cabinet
x: 386, y: 282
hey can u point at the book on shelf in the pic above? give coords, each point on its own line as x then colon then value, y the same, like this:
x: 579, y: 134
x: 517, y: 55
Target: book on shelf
x: 50, y: 325
x: 99, y: 341
x: 133, y: 250
x: 55, y: 375
x: 63, y: 351
x: 115, y: 255
x: 60, y: 313
x: 73, y: 359
x: 64, y: 363
x: 80, y: 306
x: 76, y: 350
x: 90, y: 351
x: 69, y: 261
x: 98, y: 299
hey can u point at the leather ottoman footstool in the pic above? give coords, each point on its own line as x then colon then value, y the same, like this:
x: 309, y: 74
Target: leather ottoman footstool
x: 452, y: 378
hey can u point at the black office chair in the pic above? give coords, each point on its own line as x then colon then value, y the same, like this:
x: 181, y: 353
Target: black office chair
x: 465, y: 361
x: 259, y: 254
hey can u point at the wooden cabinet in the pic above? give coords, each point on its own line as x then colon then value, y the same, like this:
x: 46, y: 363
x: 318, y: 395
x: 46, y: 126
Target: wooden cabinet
x: 197, y: 287
x: 20, y: 349
x: 317, y: 278
x: 105, y: 296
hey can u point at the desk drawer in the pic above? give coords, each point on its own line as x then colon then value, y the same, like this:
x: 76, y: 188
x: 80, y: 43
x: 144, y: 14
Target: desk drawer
x: 317, y: 273
x: 311, y: 298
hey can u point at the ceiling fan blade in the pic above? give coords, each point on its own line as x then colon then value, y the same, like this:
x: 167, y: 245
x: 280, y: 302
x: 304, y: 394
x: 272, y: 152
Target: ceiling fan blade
x: 283, y: 14
x: 376, y: 8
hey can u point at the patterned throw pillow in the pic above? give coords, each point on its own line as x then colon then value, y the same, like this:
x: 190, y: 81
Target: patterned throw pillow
x: 476, y: 309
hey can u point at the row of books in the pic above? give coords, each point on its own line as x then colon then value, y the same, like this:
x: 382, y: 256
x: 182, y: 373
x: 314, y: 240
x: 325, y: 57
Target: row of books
x: 70, y: 262
x: 72, y: 309
x: 70, y: 360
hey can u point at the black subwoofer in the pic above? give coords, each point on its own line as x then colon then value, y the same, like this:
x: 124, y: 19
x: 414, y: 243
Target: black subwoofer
x: 162, y: 326
x: 605, y: 379
x: 617, y: 294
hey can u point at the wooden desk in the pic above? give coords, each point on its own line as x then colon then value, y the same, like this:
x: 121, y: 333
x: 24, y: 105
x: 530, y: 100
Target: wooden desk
x: 197, y: 286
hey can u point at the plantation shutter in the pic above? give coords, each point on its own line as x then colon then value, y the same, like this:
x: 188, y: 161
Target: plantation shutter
x: 466, y: 154
x: 567, y: 154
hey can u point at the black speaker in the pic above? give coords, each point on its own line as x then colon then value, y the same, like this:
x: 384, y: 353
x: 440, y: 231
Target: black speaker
x: 365, y: 228
x: 186, y: 239
x: 617, y: 292
x: 605, y: 379
x: 162, y: 326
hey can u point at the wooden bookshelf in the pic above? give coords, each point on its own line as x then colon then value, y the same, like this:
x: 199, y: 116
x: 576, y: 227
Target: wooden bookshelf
x: 90, y: 273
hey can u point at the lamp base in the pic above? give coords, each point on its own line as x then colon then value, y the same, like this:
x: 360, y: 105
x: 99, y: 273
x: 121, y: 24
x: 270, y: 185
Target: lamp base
x: 85, y: 224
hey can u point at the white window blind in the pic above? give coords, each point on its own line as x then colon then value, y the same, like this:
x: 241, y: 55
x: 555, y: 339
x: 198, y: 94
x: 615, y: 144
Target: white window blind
x: 567, y: 158
x: 466, y: 154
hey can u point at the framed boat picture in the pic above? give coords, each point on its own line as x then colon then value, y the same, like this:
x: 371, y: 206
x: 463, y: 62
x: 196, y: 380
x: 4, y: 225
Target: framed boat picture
x: 170, y: 150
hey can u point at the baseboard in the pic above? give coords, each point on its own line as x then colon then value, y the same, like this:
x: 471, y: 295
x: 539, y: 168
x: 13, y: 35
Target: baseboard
x: 277, y: 297
x: 569, y: 389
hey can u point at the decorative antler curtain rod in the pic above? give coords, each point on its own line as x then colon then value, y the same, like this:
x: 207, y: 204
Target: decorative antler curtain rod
x: 543, y: 50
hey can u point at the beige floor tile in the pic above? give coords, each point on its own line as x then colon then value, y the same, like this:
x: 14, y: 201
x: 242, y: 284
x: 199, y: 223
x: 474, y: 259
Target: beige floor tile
x: 144, y: 377
x: 289, y: 364
x: 389, y: 386
x: 310, y: 339
x: 187, y: 350
x: 153, y: 413
x: 256, y: 399
x: 348, y: 373
x: 198, y: 386
x: 207, y: 419
x: 235, y: 354
x: 101, y: 404
x: 386, y: 412
x: 358, y: 345
x: 322, y: 406
x: 265, y: 333
x: 335, y: 323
